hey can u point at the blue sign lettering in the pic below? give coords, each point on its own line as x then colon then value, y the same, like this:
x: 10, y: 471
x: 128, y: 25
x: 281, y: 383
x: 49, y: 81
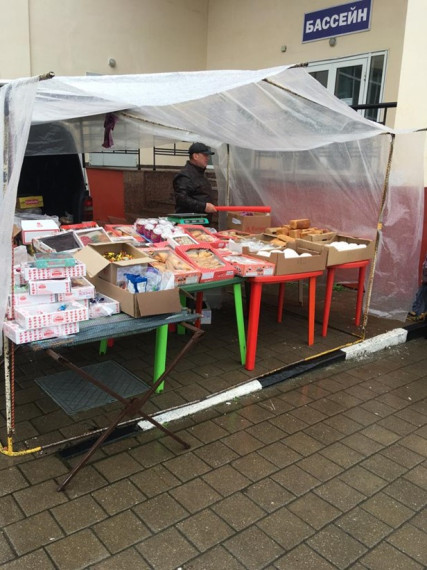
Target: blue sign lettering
x: 337, y: 21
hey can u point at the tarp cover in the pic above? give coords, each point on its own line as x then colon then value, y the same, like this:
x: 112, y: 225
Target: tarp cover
x: 281, y: 140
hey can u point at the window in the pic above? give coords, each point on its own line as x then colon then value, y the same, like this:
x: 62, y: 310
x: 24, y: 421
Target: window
x: 358, y: 80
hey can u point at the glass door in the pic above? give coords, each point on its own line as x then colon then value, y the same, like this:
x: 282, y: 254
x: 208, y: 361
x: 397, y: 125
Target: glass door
x: 345, y: 78
x: 357, y: 80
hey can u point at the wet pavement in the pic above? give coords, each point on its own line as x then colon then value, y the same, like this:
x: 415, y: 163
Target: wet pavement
x: 326, y: 470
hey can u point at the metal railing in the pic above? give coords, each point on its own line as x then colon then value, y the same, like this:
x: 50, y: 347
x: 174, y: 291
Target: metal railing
x: 161, y: 151
x: 376, y: 107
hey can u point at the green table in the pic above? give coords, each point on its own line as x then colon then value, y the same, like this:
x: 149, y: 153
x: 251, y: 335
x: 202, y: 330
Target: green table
x: 236, y: 283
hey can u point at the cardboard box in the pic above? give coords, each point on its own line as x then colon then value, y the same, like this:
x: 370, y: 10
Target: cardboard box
x: 80, y: 289
x: 335, y: 257
x: 235, y: 235
x: 44, y: 287
x: 166, y: 259
x: 25, y: 298
x: 63, y: 241
x: 103, y: 306
x: 80, y: 226
x: 247, y: 266
x: 92, y: 236
x: 96, y: 264
x: 203, y: 236
x: 20, y: 335
x: 124, y: 232
x: 140, y: 304
x: 251, y: 222
x: 288, y: 266
x: 221, y: 270
x: 326, y: 237
x: 31, y: 229
x: 40, y: 316
x: 179, y: 239
x: 25, y: 202
x: 32, y: 273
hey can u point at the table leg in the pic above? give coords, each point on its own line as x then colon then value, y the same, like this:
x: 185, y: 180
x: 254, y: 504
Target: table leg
x: 183, y: 300
x: 160, y: 355
x: 253, y: 323
x: 238, y: 305
x: 328, y: 298
x: 103, y: 346
x: 280, y: 301
x: 199, y: 307
x: 360, y: 290
x: 311, y: 308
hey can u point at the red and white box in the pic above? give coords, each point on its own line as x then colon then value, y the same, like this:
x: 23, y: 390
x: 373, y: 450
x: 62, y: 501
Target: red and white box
x: 203, y: 236
x: 247, y: 266
x: 49, y: 287
x: 40, y: 316
x: 20, y: 335
x: 103, y: 306
x: 167, y: 259
x: 36, y: 273
x: 37, y: 228
x: 25, y: 298
x: 181, y: 238
x: 211, y: 266
x: 81, y: 288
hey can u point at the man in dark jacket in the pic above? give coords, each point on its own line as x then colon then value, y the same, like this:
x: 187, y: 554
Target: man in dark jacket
x: 193, y: 191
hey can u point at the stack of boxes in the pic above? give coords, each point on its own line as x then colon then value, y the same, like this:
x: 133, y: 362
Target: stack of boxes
x: 42, y: 304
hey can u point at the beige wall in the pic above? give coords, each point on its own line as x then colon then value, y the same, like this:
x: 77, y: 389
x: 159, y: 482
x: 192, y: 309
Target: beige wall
x: 412, y: 95
x: 72, y: 37
x: 14, y: 39
x: 249, y: 34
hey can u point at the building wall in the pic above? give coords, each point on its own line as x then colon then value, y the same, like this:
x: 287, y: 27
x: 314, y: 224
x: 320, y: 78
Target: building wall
x: 72, y: 37
x: 14, y: 39
x: 249, y: 34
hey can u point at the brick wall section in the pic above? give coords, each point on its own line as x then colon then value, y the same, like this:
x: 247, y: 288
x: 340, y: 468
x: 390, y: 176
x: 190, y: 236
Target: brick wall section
x: 150, y: 192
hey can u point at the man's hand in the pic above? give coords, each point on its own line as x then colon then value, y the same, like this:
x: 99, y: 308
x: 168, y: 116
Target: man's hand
x: 210, y: 208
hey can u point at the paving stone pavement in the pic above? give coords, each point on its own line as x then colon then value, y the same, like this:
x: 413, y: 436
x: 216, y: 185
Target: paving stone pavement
x: 324, y: 471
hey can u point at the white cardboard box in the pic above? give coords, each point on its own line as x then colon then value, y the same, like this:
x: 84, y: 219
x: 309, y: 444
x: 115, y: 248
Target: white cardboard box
x: 37, y: 228
x: 36, y: 273
x: 20, y: 335
x: 40, y: 316
x: 49, y: 286
x: 103, y: 308
x: 81, y: 288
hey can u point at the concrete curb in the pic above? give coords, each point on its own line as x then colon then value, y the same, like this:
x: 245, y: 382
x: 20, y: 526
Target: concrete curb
x: 359, y: 350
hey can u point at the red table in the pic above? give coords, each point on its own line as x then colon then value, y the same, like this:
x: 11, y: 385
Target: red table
x: 256, y: 284
x: 361, y: 265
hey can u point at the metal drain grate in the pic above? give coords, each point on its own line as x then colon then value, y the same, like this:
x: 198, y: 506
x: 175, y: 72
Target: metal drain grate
x: 74, y: 394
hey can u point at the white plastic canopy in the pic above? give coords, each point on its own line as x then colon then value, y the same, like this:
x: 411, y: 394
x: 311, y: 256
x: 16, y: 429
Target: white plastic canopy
x: 281, y: 139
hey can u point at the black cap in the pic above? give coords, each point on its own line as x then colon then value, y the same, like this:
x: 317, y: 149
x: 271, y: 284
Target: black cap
x: 199, y: 147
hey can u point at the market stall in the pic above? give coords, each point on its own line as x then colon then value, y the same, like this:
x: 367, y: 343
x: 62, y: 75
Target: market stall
x: 281, y: 139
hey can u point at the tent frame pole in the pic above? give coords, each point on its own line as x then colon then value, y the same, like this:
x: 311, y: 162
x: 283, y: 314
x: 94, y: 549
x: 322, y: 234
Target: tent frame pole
x: 386, y: 187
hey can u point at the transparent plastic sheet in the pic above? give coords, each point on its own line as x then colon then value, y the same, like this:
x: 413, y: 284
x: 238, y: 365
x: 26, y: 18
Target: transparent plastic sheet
x: 396, y: 276
x: 293, y: 145
x: 340, y: 186
x: 16, y: 104
x: 273, y: 109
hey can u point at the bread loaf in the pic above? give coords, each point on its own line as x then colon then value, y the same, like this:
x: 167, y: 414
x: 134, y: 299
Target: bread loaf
x: 301, y: 224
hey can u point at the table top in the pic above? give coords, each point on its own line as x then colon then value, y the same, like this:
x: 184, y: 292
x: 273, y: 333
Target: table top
x: 282, y: 278
x: 114, y: 326
x: 211, y: 284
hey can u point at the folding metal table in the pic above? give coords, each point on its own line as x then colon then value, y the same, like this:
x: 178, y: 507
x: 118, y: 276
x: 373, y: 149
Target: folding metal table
x: 116, y: 326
